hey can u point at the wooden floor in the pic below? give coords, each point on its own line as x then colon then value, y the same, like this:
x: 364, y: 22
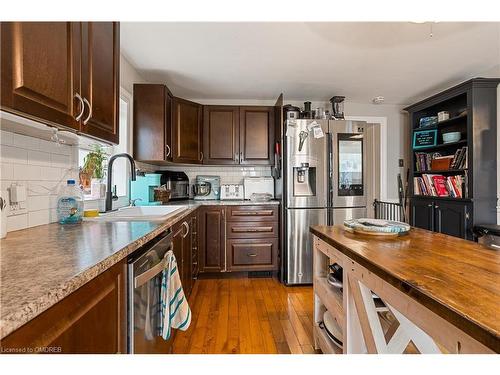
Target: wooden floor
x: 248, y: 316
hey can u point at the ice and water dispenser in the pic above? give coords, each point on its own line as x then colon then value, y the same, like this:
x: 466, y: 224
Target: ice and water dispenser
x: 304, y: 180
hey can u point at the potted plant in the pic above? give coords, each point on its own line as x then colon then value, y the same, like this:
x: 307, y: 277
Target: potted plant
x: 93, y: 167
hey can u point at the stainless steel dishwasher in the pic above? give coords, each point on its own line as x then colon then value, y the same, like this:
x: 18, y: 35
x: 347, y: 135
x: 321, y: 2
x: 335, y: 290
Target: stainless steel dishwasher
x: 145, y: 270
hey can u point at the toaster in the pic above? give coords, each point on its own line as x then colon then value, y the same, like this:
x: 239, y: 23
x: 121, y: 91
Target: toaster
x: 231, y: 191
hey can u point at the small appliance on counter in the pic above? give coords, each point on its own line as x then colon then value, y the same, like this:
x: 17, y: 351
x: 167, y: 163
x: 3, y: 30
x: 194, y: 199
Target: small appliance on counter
x: 488, y: 235
x: 231, y: 192
x: 206, y: 187
x: 142, y: 189
x: 258, y: 185
x: 177, y: 182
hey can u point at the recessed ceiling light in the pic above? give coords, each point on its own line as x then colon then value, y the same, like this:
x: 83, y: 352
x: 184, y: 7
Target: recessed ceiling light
x: 378, y: 100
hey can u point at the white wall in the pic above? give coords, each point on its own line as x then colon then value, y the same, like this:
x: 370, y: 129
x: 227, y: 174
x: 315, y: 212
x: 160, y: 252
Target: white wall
x: 129, y: 75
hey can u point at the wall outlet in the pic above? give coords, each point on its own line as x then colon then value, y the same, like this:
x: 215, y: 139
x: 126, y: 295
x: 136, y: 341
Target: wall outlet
x: 401, y: 163
x: 17, y: 200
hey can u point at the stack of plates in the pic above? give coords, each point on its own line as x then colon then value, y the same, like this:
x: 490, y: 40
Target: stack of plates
x: 332, y: 329
x: 377, y: 226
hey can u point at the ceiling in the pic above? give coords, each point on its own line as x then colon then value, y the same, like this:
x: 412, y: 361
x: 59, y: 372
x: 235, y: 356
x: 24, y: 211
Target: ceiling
x: 314, y: 61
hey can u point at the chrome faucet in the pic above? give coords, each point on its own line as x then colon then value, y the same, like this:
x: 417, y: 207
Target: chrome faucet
x: 109, y: 193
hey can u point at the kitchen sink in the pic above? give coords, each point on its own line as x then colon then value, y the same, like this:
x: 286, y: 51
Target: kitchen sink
x: 140, y: 213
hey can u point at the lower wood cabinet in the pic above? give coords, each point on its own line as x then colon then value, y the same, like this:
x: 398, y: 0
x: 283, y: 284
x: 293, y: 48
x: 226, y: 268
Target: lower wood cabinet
x: 212, y: 239
x: 239, y: 238
x: 93, y: 319
x: 183, y: 250
x: 443, y: 216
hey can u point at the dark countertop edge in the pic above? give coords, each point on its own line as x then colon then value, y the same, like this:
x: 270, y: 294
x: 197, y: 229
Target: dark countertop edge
x: 9, y: 324
x: 483, y: 335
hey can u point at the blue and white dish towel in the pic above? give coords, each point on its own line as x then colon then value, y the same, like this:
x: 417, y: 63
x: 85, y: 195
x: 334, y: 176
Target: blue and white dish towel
x: 175, y: 311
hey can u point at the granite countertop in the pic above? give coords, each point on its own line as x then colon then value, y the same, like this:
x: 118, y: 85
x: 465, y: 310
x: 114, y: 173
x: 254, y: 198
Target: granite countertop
x: 40, y: 266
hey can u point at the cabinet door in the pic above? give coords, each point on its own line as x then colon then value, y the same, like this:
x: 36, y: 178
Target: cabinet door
x: 186, y: 132
x: 212, y: 239
x: 178, y: 242
x: 256, y: 135
x: 422, y: 213
x: 221, y: 135
x: 100, y: 79
x: 41, y: 70
x: 152, y: 122
x: 452, y: 218
x: 93, y: 319
x: 187, y: 259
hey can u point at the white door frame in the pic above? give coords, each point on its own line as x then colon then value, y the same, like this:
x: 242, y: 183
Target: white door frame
x: 382, y: 121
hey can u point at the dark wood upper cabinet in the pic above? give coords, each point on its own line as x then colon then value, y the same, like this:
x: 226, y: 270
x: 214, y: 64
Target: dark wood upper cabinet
x: 152, y: 122
x: 65, y: 74
x: 100, y: 79
x: 238, y: 135
x: 186, y: 132
x: 256, y: 135
x: 41, y: 71
x: 221, y: 135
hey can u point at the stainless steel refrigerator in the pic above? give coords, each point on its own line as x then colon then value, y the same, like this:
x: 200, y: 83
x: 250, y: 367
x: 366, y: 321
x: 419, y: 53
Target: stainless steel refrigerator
x: 323, y: 184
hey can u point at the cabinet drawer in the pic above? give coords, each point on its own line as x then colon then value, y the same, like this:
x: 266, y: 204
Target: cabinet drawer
x: 252, y: 254
x: 252, y: 230
x: 253, y: 213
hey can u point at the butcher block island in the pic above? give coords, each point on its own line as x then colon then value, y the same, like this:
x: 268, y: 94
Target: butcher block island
x: 420, y: 292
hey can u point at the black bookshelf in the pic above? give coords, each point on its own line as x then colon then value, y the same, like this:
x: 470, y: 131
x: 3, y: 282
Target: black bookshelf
x: 473, y: 109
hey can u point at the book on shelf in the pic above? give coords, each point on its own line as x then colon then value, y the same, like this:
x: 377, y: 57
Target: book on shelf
x: 423, y: 160
x: 436, y: 185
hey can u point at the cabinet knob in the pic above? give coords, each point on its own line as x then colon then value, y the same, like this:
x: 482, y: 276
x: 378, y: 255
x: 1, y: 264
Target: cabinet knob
x: 437, y: 206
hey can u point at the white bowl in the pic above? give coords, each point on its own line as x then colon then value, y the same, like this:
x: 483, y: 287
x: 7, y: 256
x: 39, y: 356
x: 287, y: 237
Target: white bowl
x: 451, y: 137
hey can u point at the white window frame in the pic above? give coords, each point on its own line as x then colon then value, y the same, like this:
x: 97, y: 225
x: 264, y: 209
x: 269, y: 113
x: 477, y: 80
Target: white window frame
x: 126, y: 96
x: 87, y: 144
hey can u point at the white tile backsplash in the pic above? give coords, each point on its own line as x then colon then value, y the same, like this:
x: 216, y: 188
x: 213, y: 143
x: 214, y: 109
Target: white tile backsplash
x: 228, y: 174
x: 38, y: 158
x: 40, y: 217
x: 17, y: 222
x: 26, y: 142
x: 42, y: 166
x: 12, y: 154
x: 6, y: 138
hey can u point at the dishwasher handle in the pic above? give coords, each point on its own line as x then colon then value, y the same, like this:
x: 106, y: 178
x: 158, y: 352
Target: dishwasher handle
x: 144, y: 277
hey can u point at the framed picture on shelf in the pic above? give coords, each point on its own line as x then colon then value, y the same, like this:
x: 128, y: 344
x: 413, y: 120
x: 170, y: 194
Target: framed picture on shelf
x: 424, y: 138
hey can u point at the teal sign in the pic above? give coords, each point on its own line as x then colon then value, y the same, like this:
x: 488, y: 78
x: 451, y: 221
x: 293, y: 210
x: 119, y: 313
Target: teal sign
x: 424, y: 138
